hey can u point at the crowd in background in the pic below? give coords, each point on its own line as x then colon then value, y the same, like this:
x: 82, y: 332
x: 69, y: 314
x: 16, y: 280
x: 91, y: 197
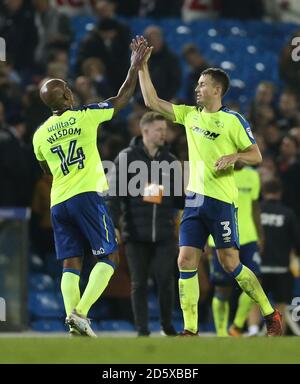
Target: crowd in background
x: 38, y: 37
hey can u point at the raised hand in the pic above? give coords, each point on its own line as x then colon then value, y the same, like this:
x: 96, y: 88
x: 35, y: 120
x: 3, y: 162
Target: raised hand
x: 140, y: 51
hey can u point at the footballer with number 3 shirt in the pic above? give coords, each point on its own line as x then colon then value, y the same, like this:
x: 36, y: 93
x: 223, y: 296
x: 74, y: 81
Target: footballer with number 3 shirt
x: 217, y: 138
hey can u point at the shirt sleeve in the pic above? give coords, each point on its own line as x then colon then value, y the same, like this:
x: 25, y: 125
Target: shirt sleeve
x: 243, y: 135
x: 37, y: 149
x: 100, y: 112
x: 256, y: 186
x: 180, y: 112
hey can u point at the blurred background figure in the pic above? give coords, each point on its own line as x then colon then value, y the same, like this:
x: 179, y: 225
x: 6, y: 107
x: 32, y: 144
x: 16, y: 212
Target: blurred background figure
x: 282, y: 235
x: 54, y: 30
x: 147, y: 224
x: 196, y: 64
x: 108, y: 41
x: 200, y: 9
x: 289, y: 171
x: 164, y: 65
x: 18, y: 29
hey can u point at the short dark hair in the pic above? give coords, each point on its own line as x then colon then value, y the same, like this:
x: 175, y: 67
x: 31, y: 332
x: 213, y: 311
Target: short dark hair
x: 149, y: 117
x: 272, y: 186
x: 220, y: 77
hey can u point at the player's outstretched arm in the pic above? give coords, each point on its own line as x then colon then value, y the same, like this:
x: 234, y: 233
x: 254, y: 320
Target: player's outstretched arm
x: 150, y: 96
x: 126, y: 91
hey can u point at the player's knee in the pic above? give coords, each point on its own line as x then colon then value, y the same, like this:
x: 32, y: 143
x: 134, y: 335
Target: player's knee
x: 185, y: 261
x: 73, y: 263
x: 228, y: 264
x: 229, y: 259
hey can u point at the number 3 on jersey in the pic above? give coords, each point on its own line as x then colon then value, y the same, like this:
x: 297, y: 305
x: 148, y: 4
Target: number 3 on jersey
x: 226, y: 228
x: 71, y: 158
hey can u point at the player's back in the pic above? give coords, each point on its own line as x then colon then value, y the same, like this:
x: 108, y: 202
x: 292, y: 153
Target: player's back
x: 68, y: 143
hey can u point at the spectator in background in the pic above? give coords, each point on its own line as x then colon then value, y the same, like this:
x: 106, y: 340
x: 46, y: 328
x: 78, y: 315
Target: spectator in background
x: 3, y: 124
x: 197, y: 64
x: 288, y: 110
x: 112, y: 146
x: 10, y: 88
x: 164, y: 65
x: 60, y: 55
x: 73, y: 8
x: 108, y: 41
x: 289, y: 171
x: 200, y: 9
x: 265, y: 115
x: 54, y: 30
x: 94, y: 69
x: 56, y: 70
x: 129, y: 8
x: 16, y: 165
x: 105, y: 9
x: 246, y: 10
x: 19, y: 31
x: 133, y: 120
x: 282, y: 234
x: 264, y: 97
x: 158, y: 8
x: 260, y: 141
x: 35, y: 111
x: 272, y: 137
x: 147, y: 223
x: 295, y: 132
x: 267, y: 169
x: 85, y: 91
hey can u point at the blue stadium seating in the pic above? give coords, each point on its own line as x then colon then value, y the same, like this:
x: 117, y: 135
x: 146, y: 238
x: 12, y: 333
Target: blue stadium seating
x: 251, y: 47
x: 41, y: 282
x: 45, y: 305
x: 114, y: 325
x: 36, y: 264
x: 46, y: 325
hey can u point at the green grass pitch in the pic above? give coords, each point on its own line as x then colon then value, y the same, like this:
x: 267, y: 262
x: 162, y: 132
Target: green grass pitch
x: 110, y: 350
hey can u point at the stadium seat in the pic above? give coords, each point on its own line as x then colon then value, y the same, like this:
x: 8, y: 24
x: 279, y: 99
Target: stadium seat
x: 45, y: 305
x: 41, y: 282
x: 115, y: 325
x: 100, y: 311
x: 36, y: 263
x: 46, y: 325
